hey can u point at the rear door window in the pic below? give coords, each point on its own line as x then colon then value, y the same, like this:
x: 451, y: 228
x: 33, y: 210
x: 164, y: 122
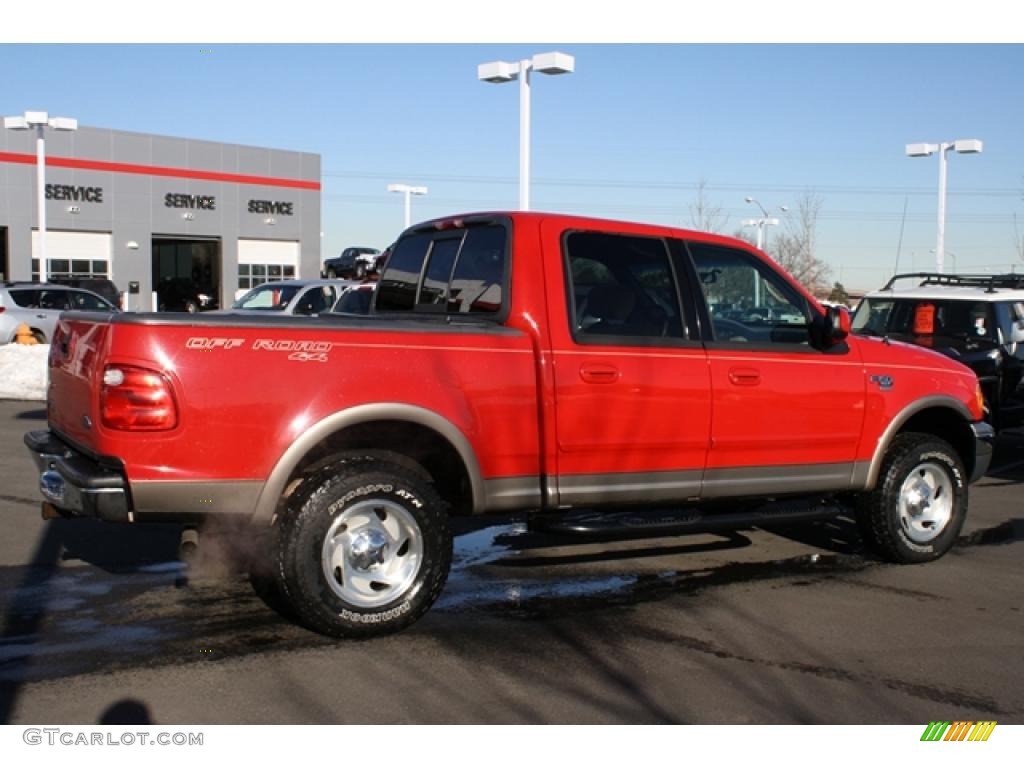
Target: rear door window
x: 54, y: 299
x: 88, y: 301
x: 622, y: 288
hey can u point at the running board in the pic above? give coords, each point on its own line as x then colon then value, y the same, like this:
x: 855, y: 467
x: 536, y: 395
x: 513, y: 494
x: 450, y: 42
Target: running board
x: 648, y: 523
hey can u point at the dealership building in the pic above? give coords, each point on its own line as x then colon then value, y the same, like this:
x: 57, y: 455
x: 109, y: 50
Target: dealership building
x: 151, y: 211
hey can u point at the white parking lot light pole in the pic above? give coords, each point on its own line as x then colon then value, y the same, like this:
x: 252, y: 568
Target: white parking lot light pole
x: 408, y: 191
x: 964, y: 147
x: 762, y: 224
x: 553, y: 63
x: 41, y: 121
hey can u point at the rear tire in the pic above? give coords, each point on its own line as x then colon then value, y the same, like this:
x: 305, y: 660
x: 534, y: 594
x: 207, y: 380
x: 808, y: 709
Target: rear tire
x: 363, y: 550
x: 919, y: 503
x: 332, y: 274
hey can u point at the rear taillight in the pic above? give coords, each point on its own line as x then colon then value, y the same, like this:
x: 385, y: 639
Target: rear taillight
x: 137, y: 399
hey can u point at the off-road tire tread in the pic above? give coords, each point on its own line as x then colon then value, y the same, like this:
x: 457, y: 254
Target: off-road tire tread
x: 873, y: 518
x: 304, y: 505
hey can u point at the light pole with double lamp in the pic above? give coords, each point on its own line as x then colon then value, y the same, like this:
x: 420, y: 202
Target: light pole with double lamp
x: 964, y: 147
x: 553, y: 63
x: 408, y: 191
x: 41, y: 121
x: 762, y: 225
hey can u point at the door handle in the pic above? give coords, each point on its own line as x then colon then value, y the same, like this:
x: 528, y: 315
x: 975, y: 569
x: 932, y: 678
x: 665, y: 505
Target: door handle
x: 599, y: 373
x: 745, y: 377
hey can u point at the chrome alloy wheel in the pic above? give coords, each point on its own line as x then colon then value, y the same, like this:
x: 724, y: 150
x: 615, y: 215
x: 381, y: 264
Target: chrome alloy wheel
x: 926, y: 502
x: 372, y: 553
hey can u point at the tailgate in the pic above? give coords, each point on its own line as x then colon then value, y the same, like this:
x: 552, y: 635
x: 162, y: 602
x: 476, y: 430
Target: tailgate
x: 77, y: 352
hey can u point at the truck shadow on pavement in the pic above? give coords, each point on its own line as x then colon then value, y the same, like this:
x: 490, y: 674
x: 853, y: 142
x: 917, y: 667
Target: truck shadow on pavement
x: 62, y: 619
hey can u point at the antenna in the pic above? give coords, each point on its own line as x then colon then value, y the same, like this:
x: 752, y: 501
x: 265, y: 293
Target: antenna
x: 899, y: 245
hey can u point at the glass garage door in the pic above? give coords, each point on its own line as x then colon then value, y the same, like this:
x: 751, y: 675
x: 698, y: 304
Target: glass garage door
x: 264, y: 261
x: 73, y: 254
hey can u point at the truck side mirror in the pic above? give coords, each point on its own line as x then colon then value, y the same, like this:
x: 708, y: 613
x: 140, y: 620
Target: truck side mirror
x: 837, y: 324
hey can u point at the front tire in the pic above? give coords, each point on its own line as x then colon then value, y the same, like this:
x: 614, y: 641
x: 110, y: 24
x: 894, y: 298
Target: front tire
x: 919, y: 504
x: 364, y: 549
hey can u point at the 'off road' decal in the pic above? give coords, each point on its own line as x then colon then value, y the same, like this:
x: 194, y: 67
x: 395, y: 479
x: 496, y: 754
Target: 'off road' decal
x: 301, y: 351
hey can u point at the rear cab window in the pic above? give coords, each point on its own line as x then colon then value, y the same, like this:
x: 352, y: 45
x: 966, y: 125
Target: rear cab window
x: 453, y: 272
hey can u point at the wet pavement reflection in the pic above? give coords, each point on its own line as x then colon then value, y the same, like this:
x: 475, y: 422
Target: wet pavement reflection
x: 85, y: 619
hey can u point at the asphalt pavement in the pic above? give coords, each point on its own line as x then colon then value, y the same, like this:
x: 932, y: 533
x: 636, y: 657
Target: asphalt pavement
x: 102, y: 623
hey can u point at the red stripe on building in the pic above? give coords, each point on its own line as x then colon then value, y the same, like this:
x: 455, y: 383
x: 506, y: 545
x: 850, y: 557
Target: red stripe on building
x: 157, y: 170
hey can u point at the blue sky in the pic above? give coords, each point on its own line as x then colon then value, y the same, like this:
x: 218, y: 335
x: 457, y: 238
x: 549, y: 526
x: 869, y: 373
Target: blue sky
x: 628, y: 135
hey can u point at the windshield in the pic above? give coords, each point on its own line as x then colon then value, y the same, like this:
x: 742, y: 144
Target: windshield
x: 925, y: 317
x: 273, y: 298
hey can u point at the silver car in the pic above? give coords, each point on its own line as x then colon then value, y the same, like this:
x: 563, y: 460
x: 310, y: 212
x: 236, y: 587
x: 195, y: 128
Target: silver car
x: 38, y: 305
x: 292, y: 297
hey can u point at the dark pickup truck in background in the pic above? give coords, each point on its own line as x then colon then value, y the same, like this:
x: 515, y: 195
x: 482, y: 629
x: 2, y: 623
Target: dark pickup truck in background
x: 354, y: 262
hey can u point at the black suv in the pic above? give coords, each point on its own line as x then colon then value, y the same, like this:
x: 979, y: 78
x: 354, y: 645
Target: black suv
x: 100, y: 285
x: 179, y: 294
x: 975, y: 319
x: 354, y: 262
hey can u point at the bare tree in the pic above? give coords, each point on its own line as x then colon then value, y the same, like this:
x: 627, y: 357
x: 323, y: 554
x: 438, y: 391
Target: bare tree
x: 795, y: 247
x: 706, y: 216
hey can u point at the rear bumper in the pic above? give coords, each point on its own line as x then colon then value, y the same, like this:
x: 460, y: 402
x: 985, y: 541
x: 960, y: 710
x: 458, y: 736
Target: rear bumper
x: 76, y: 484
x: 984, y: 445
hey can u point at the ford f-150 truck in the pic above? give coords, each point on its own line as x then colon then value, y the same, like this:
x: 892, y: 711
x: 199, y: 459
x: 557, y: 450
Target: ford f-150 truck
x: 513, y: 362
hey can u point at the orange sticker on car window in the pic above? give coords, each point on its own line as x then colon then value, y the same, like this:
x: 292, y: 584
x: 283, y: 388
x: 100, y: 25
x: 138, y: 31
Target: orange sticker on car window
x: 924, y: 319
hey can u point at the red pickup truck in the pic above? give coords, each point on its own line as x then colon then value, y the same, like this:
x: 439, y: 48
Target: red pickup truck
x: 513, y: 362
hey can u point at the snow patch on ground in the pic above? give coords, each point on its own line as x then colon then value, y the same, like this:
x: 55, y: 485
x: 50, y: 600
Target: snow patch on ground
x: 23, y: 371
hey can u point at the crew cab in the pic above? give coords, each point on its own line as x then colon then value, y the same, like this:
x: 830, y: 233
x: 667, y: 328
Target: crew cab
x: 566, y: 367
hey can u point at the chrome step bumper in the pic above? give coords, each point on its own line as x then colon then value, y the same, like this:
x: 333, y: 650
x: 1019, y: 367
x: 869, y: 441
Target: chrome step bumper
x: 76, y: 484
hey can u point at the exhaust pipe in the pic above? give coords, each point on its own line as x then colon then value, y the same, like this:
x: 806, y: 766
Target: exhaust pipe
x: 50, y: 512
x: 188, y: 548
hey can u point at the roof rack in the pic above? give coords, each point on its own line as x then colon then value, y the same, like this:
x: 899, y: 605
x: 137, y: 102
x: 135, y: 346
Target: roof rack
x: 989, y: 282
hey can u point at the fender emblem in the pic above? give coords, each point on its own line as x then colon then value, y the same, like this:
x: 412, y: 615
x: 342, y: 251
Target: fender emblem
x: 883, y: 382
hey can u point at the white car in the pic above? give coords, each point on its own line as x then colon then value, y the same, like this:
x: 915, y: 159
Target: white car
x: 292, y: 297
